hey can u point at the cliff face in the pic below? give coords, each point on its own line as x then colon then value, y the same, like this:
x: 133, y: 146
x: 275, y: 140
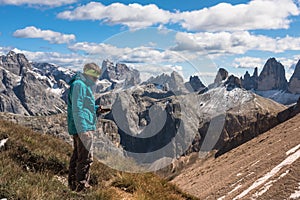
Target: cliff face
x: 120, y: 75
x: 272, y: 77
x: 15, y: 63
x: 294, y: 83
x: 26, y: 90
x: 221, y: 118
x: 250, y: 82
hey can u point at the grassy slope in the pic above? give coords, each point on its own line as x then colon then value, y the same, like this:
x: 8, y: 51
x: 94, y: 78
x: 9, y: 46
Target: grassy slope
x: 35, y: 166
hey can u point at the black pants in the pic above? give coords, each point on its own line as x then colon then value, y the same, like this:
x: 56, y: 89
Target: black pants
x: 81, y: 161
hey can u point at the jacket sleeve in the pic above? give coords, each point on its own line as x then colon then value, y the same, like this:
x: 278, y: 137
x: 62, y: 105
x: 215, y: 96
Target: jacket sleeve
x: 78, y: 94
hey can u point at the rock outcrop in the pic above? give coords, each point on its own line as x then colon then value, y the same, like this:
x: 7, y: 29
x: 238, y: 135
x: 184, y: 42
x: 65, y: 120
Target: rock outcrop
x: 195, y: 84
x: 250, y: 82
x: 120, y: 75
x: 236, y: 116
x: 289, y: 112
x: 35, y: 97
x: 55, y: 73
x: 294, y: 83
x: 272, y: 76
x: 173, y: 83
x: 15, y: 63
x: 9, y: 102
x: 222, y: 74
x: 233, y: 82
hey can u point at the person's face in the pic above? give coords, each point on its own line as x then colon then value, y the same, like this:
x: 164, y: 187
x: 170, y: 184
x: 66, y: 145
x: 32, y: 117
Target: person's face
x: 93, y: 78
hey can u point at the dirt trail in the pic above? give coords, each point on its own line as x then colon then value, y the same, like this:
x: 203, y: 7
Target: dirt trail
x: 267, y: 167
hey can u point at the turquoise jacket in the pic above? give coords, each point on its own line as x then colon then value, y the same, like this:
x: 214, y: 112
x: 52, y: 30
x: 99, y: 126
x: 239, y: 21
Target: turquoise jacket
x: 81, y: 105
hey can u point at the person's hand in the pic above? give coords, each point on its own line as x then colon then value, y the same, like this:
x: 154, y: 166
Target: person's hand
x: 102, y: 110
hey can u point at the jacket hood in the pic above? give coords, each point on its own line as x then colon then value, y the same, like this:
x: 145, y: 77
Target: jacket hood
x: 83, y: 78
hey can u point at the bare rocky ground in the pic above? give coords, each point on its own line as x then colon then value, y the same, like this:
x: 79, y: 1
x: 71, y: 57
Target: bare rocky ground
x: 267, y: 167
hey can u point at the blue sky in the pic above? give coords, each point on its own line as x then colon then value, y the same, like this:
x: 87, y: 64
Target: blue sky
x: 191, y: 37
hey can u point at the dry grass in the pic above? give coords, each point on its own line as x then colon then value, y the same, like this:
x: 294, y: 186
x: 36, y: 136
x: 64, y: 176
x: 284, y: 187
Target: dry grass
x: 35, y: 166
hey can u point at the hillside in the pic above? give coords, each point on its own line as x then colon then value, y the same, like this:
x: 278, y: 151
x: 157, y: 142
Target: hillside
x: 266, y: 167
x: 34, y: 166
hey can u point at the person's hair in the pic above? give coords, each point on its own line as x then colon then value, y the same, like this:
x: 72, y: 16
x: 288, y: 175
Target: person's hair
x: 92, y: 69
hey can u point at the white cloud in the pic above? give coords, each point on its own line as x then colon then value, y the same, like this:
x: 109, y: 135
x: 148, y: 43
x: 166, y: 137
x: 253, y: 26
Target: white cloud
x: 100, y: 49
x: 129, y: 55
x: 48, y: 35
x: 233, y: 42
x: 132, y: 15
x: 73, y: 60
x: 257, y: 14
x: 248, y: 62
x: 4, y: 50
x: 51, y: 3
x: 149, y: 61
x: 289, y: 64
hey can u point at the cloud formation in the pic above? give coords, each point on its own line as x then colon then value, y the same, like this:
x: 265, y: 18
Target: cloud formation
x: 257, y: 14
x: 132, y: 15
x: 128, y: 55
x: 248, y: 62
x: 72, y: 60
x: 233, y: 42
x: 48, y: 35
x: 51, y: 3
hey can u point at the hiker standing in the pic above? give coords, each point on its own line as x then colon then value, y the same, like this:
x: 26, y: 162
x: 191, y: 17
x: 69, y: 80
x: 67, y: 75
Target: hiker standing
x: 82, y: 125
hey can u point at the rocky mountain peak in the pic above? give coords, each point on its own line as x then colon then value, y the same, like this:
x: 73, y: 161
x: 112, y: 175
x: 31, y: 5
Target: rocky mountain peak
x: 195, y: 84
x: 233, y: 82
x: 31, y: 89
x: 221, y: 75
x: 250, y: 82
x: 176, y: 76
x: 255, y: 73
x: 173, y: 82
x: 120, y: 74
x: 16, y: 63
x: 297, y: 71
x: 294, y: 84
x: 53, y: 72
x: 272, y: 76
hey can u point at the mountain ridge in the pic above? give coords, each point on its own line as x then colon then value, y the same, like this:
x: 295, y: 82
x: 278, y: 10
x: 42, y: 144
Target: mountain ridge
x: 21, y: 80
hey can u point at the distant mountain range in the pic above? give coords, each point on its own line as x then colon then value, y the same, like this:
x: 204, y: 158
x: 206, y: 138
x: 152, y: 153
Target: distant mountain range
x: 221, y: 115
x: 38, y: 88
x: 272, y: 82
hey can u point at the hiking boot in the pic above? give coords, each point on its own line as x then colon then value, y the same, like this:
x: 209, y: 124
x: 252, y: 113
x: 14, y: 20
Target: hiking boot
x: 83, y: 187
x: 72, y: 184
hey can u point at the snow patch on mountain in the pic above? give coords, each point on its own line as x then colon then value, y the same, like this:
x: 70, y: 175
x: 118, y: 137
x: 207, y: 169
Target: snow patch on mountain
x: 279, y: 96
